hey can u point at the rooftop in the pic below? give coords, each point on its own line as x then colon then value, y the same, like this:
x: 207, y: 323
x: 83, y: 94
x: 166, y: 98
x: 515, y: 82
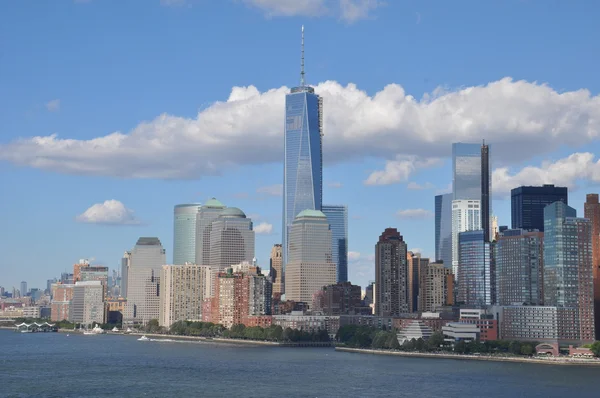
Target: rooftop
x: 311, y: 213
x: 148, y: 241
x: 233, y: 212
x: 212, y: 202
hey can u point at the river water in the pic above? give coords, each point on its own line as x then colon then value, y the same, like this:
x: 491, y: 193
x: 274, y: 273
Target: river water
x: 57, y: 365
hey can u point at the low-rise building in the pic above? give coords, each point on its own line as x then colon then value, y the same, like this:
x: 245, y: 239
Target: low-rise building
x: 457, y: 331
x: 31, y: 312
x: 488, y: 326
x: 60, y: 307
x: 379, y: 322
x: 415, y: 330
x: 264, y: 321
x: 308, y: 323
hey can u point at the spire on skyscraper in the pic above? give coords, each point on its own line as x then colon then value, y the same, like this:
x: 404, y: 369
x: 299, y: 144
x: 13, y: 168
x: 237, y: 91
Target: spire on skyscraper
x: 302, y: 61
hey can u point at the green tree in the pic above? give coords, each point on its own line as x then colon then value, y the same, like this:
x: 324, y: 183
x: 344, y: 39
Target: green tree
x: 514, y: 347
x: 460, y: 347
x: 152, y: 326
x: 526, y: 349
x: 435, y: 341
x: 595, y: 348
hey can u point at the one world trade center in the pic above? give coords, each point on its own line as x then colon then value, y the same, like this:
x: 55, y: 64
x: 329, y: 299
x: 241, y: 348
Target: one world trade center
x: 303, y: 155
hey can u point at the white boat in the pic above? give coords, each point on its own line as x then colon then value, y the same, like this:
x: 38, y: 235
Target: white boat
x: 143, y: 338
x: 114, y: 329
x: 96, y: 330
x: 26, y: 331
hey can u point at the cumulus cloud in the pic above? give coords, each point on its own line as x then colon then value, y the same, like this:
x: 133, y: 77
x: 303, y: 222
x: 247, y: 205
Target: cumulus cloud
x: 53, y: 106
x: 263, y: 228
x: 348, y: 10
x: 414, y: 214
x: 419, y: 187
x: 271, y: 190
x: 566, y: 172
x: 520, y: 119
x: 353, y: 256
x: 111, y: 212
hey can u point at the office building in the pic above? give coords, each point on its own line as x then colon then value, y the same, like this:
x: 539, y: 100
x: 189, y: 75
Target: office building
x: 486, y: 185
x: 391, y: 274
x: 484, y: 320
x: 436, y: 287
x: 184, y: 233
x: 475, y: 284
x: 231, y: 239
x: 276, y: 269
x: 77, y: 269
x: 527, y: 205
x: 23, y: 289
x: 87, y: 306
x: 143, y: 281
x: 415, y: 264
x: 591, y: 211
x: 182, y: 293
x: 95, y: 273
x: 209, y: 211
x: 60, y: 307
x: 568, y: 275
x: 337, y: 216
x: 343, y: 298
x: 443, y: 229
x: 519, y: 259
x: 466, y: 216
x: 303, y: 155
x: 310, y: 265
x: 125, y: 263
x: 466, y: 171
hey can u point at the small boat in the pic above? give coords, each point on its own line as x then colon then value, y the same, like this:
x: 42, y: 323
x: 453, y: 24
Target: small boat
x: 26, y: 331
x: 114, y: 329
x: 143, y: 338
x: 96, y: 330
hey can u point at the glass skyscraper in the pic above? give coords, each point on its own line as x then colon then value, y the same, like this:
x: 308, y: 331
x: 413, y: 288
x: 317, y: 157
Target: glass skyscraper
x: 337, y: 217
x: 303, y: 157
x: 475, y: 276
x: 466, y: 171
x: 527, y: 205
x: 184, y: 233
x: 443, y: 229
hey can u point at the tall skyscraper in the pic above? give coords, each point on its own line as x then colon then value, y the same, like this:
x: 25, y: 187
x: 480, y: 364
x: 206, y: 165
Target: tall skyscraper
x: 209, y: 211
x: 475, y: 283
x: 466, y: 216
x: 568, y: 275
x: 23, y: 289
x: 303, y: 154
x: 591, y: 211
x: 486, y: 183
x: 231, y: 239
x: 466, y: 171
x: 276, y: 268
x: 391, y: 274
x: 519, y: 259
x: 125, y: 263
x: 527, y: 205
x: 310, y: 265
x: 143, y: 281
x: 415, y: 264
x: 443, y: 229
x: 184, y: 233
x: 337, y: 216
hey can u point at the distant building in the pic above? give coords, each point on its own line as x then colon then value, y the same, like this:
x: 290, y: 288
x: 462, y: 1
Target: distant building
x: 143, y: 281
x: 342, y: 298
x: 32, y: 312
x: 443, y: 229
x: 591, y: 211
x: 337, y: 217
x: 485, y: 322
x: 519, y: 259
x: 466, y: 216
x: 77, y: 269
x: 231, y: 239
x: 87, y: 306
x: 310, y: 265
x: 436, y: 287
x: 184, y: 233
x: 209, y: 211
x: 23, y: 289
x: 527, y: 205
x: 415, y: 330
x: 308, y: 323
x: 568, y: 274
x: 391, y: 274
x: 182, y: 293
x: 95, y: 273
x: 466, y: 171
x: 125, y: 263
x: 458, y: 331
x: 415, y: 264
x: 62, y: 294
x: 475, y: 284
x: 276, y: 269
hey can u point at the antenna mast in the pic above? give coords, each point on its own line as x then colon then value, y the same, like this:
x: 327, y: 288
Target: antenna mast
x: 302, y: 62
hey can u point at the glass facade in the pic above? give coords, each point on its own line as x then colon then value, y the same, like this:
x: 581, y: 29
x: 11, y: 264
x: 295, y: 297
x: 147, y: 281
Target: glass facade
x: 466, y: 216
x: 209, y: 212
x: 475, y: 269
x: 302, y: 179
x: 337, y: 216
x: 466, y: 171
x: 231, y: 239
x: 184, y: 233
x: 443, y: 229
x: 527, y: 205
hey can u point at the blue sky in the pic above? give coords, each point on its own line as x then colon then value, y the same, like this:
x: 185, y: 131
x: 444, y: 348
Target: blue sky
x: 153, y: 103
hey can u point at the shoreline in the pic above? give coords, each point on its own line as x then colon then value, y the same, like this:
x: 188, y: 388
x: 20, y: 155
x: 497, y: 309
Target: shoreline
x: 558, y: 361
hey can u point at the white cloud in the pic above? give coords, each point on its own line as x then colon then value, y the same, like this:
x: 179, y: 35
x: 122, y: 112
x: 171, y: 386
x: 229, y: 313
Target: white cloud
x: 414, y: 214
x: 271, y: 190
x: 520, y: 119
x: 416, y: 250
x: 419, y: 187
x: 353, y: 256
x: 399, y: 170
x: 263, y: 228
x: 564, y: 172
x: 335, y: 184
x: 347, y: 10
x: 53, y: 106
x: 111, y: 212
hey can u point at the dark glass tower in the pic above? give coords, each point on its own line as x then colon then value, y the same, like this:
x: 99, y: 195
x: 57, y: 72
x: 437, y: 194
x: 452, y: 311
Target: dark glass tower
x: 443, y: 229
x: 527, y: 205
x: 485, y: 191
x: 303, y: 155
x: 337, y: 217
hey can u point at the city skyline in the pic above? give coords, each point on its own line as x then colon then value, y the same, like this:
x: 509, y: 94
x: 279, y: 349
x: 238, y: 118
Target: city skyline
x: 362, y: 173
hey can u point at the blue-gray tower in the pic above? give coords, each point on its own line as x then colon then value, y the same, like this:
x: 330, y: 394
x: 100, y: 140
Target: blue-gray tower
x: 303, y: 154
